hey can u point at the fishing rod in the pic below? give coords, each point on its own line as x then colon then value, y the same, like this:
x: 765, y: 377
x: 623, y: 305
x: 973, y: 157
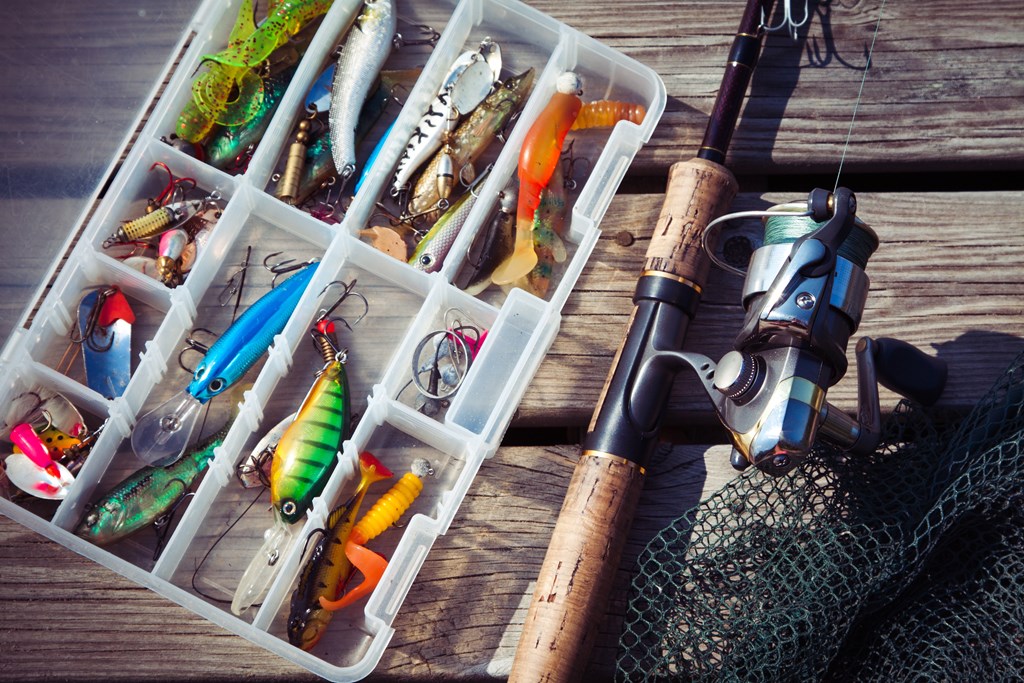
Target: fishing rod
x: 587, y: 542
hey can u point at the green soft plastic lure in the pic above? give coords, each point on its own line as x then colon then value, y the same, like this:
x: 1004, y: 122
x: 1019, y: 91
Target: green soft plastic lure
x: 146, y: 495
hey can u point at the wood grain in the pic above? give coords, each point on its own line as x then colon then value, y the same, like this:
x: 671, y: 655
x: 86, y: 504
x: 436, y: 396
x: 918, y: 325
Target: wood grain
x: 63, y: 616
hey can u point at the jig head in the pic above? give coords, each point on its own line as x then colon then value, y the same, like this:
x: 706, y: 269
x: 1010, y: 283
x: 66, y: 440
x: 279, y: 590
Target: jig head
x: 803, y: 299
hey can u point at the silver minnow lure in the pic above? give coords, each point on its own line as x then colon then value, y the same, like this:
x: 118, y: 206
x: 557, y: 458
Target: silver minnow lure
x: 434, y: 247
x: 362, y: 56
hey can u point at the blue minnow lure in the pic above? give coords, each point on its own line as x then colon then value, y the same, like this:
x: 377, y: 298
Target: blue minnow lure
x: 160, y: 437
x: 373, y: 157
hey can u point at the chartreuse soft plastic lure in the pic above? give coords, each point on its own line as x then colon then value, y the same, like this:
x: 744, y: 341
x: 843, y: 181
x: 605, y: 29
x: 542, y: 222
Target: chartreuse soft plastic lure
x: 538, y: 158
x: 161, y: 435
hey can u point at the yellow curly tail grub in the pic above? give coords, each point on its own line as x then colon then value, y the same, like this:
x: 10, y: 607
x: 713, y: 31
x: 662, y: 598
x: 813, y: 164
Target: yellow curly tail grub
x: 387, y: 509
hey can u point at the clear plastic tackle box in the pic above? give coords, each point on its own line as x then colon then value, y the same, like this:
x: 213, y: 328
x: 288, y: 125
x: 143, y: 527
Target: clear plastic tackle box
x: 217, y: 531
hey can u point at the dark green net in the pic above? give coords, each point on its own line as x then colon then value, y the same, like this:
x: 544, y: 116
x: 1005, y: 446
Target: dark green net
x: 904, y: 565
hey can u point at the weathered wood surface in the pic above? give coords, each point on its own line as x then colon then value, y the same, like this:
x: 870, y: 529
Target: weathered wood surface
x: 944, y: 96
x: 65, y: 617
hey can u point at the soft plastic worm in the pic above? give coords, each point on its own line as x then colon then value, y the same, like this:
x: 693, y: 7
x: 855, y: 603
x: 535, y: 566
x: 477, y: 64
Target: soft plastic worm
x: 606, y: 113
x: 387, y: 509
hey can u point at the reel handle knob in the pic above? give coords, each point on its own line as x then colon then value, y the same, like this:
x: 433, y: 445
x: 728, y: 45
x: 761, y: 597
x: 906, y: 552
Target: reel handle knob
x: 908, y: 371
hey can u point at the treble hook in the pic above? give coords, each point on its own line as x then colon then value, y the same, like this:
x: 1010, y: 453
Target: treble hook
x: 193, y: 344
x: 87, y: 336
x: 431, y: 36
x: 348, y: 289
x: 282, y: 267
x: 236, y: 283
x: 787, y: 19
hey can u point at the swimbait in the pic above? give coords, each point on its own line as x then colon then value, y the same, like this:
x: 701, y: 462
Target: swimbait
x: 327, y: 566
x: 231, y: 147
x: 146, y: 495
x: 538, y: 158
x: 491, y: 246
x: 548, y: 225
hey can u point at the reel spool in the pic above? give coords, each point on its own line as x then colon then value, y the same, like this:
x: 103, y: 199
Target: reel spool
x: 804, y: 296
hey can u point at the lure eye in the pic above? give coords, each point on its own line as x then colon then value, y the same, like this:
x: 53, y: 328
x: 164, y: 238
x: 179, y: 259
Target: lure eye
x: 426, y: 260
x: 289, y: 507
x: 217, y: 385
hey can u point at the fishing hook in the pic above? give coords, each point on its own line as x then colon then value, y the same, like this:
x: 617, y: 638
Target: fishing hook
x: 787, y: 19
x: 87, y: 335
x: 430, y: 35
x: 192, y: 344
x: 282, y: 267
x: 236, y: 283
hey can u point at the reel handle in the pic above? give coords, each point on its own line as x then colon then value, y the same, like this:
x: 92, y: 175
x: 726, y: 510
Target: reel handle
x: 909, y: 371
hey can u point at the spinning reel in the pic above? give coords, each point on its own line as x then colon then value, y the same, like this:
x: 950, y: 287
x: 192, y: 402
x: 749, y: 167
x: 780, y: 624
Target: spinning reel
x: 803, y: 299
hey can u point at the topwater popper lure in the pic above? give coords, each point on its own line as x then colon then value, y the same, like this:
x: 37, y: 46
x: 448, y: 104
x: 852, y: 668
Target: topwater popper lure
x: 161, y: 435
x: 363, y: 54
x: 538, y: 158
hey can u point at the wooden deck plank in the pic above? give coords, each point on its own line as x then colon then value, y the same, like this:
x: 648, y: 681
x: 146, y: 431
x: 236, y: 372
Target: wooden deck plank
x: 64, y: 616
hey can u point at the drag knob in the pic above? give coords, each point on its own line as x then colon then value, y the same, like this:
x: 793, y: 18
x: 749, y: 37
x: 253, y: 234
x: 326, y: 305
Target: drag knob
x: 738, y: 375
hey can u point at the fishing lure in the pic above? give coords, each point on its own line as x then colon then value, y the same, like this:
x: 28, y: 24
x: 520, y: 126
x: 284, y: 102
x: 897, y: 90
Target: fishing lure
x: 231, y: 147
x: 606, y: 113
x: 288, y: 183
x: 307, y: 453
x: 212, y: 89
x: 160, y: 436
x: 431, y: 251
x: 364, y: 52
x: 147, y: 495
x: 548, y: 225
x: 538, y: 158
x: 491, y: 246
x: 327, y: 566
x: 467, y: 83
x: 469, y: 141
x: 285, y: 20
x: 105, y: 331
x: 32, y: 469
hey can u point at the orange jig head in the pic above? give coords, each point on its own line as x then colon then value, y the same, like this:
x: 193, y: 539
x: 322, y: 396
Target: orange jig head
x: 537, y: 161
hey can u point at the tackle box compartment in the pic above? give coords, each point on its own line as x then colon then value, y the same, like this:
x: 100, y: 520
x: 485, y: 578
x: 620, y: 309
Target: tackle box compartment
x: 403, y: 306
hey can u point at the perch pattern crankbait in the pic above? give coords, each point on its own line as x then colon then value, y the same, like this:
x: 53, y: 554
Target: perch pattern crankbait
x: 606, y: 113
x: 363, y: 54
x: 469, y: 142
x: 146, y: 496
x: 308, y: 450
x: 160, y: 436
x: 327, y: 567
x: 538, y: 158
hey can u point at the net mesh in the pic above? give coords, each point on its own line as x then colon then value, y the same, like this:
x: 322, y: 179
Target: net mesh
x: 904, y: 565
